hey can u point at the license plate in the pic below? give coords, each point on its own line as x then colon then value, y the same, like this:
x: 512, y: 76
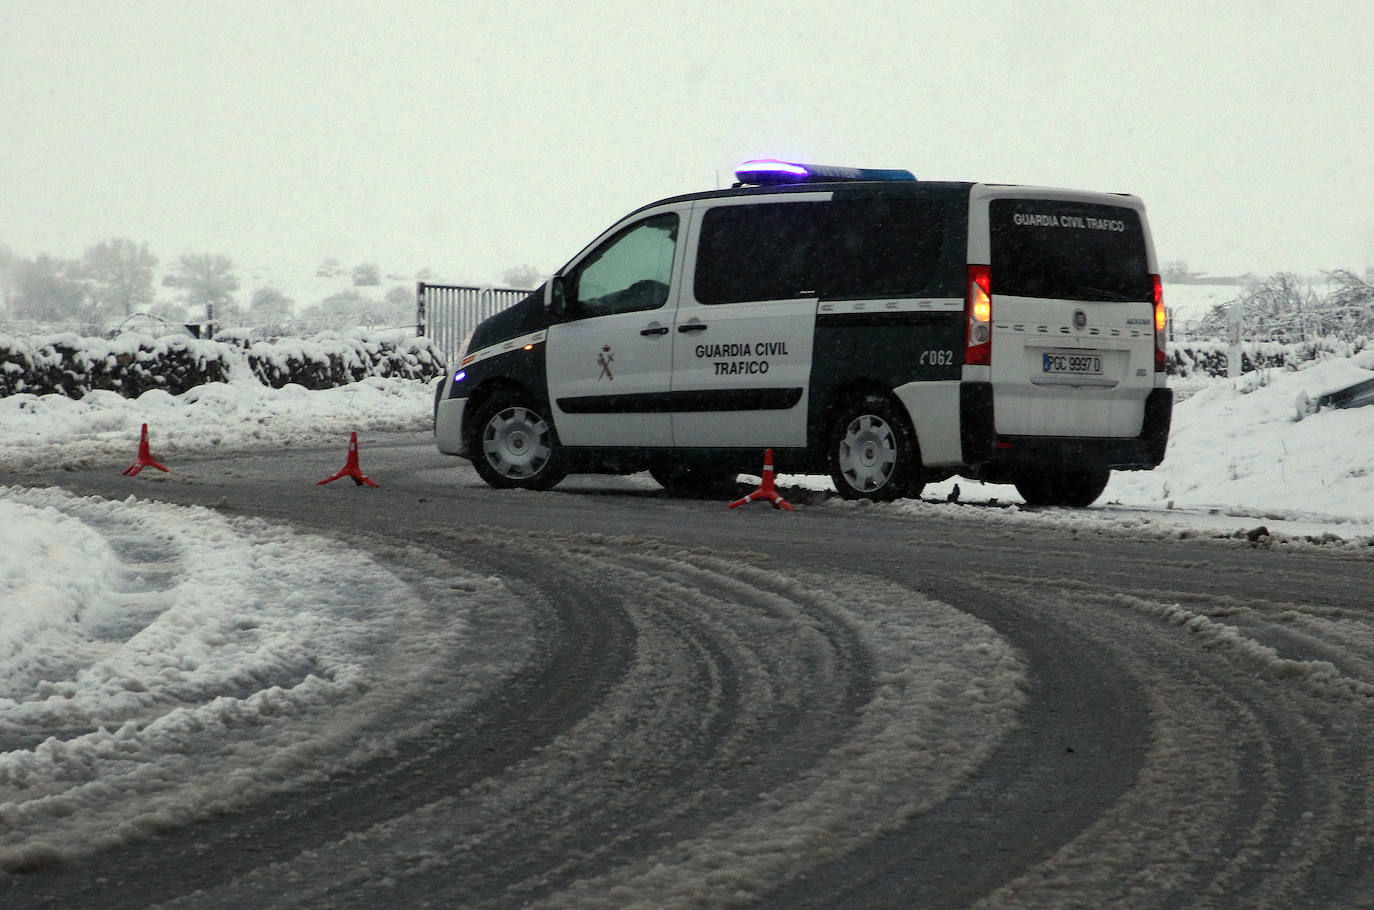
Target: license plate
x: 1072, y: 363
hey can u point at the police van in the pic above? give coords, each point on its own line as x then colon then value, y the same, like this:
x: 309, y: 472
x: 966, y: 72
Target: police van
x: 860, y: 323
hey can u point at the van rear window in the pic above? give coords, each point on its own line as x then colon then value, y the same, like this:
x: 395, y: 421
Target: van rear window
x: 1068, y: 251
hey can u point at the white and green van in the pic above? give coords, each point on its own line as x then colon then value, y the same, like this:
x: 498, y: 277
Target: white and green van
x: 860, y: 323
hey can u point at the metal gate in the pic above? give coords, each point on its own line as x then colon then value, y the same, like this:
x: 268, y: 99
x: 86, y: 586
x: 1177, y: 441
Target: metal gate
x: 446, y: 314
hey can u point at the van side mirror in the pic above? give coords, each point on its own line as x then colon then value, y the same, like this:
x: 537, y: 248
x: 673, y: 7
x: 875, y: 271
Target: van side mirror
x: 554, y: 300
x: 558, y: 304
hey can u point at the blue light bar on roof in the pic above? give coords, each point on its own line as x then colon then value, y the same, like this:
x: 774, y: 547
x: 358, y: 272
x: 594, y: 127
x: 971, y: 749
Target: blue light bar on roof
x: 771, y: 172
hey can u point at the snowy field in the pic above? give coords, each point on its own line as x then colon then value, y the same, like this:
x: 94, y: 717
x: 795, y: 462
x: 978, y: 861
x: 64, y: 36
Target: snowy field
x: 137, y: 629
x: 1236, y: 451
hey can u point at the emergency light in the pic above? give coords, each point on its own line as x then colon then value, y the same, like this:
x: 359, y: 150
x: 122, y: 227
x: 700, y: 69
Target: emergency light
x: 771, y: 172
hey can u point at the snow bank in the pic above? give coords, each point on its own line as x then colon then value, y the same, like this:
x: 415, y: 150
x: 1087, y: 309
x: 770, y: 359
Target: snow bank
x: 103, y: 427
x: 131, y: 364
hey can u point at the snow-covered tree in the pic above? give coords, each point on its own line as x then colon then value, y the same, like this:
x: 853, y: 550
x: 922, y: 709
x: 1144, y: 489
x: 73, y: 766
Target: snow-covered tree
x: 270, y: 305
x: 1286, y: 308
x: 121, y: 275
x: 207, y: 280
x: 49, y: 288
x: 523, y: 277
x: 270, y: 310
x: 367, y: 275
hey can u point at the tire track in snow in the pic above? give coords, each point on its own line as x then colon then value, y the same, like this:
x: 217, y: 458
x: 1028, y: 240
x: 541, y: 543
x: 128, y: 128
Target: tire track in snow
x: 1211, y: 695
x: 763, y: 723
x: 1253, y: 792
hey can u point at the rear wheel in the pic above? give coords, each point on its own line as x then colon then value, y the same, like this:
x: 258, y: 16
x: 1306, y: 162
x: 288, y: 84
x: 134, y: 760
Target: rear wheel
x: 513, y: 444
x: 1062, y: 488
x: 873, y: 452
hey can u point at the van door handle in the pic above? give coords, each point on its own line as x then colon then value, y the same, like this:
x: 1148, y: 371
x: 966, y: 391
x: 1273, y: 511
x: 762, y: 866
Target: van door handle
x: 692, y: 327
x: 655, y: 330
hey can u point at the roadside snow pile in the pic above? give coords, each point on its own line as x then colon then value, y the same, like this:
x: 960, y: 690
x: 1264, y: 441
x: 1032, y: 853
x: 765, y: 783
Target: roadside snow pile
x: 1239, y: 463
x: 53, y: 431
x: 132, y: 364
x: 1240, y: 444
x: 160, y: 664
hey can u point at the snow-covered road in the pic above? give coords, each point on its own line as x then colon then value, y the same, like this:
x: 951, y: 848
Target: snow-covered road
x: 608, y: 697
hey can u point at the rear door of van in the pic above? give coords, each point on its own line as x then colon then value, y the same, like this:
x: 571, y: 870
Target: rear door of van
x: 1072, y: 291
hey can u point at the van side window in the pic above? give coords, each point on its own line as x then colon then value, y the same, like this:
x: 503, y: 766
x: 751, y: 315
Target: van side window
x: 629, y: 272
x: 892, y: 248
x: 759, y: 252
x: 852, y: 248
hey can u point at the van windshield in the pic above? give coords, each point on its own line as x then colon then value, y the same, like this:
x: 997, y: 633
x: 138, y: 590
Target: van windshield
x: 1068, y: 251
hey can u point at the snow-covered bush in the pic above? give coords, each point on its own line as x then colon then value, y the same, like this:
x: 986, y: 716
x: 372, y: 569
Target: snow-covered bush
x: 130, y: 365
x: 1210, y: 358
x: 72, y: 365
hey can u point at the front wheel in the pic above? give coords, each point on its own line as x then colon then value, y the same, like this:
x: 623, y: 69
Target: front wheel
x: 873, y: 452
x: 513, y: 444
x: 1078, y: 489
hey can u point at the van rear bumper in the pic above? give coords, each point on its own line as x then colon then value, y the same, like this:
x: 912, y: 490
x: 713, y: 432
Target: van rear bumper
x: 994, y: 455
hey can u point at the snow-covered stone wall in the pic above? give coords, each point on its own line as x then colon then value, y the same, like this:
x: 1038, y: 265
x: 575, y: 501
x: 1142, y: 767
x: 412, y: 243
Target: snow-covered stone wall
x: 1210, y: 358
x: 130, y: 365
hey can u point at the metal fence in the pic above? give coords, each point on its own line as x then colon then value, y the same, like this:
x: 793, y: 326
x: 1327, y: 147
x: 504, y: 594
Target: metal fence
x: 446, y: 314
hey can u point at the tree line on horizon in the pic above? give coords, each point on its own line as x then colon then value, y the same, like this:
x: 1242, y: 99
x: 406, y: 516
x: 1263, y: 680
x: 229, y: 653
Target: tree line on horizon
x: 114, y: 280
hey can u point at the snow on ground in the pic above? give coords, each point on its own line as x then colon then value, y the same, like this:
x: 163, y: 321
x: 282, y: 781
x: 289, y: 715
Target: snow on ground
x: 55, y: 431
x: 110, y: 612
x: 1239, y: 458
x: 161, y: 663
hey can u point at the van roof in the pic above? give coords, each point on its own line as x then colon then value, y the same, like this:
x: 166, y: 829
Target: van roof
x: 849, y: 189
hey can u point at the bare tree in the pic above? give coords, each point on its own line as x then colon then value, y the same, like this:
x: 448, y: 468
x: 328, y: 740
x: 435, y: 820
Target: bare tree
x: 366, y: 275
x: 1285, y: 308
x: 523, y: 277
x: 1176, y: 272
x: 1348, y: 311
x: 270, y: 305
x: 121, y: 273
x: 398, y: 307
x: 49, y: 288
x: 207, y: 280
x: 1280, y: 308
x: 7, y: 260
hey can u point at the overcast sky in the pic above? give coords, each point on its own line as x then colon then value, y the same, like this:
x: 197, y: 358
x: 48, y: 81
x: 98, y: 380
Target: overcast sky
x: 474, y: 136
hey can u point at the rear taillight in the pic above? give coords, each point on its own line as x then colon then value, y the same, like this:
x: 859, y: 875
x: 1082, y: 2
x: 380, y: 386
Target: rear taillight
x: 1161, y: 323
x: 978, y: 313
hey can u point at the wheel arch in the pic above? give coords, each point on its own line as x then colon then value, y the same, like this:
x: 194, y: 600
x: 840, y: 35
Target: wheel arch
x: 495, y: 386
x: 854, y: 390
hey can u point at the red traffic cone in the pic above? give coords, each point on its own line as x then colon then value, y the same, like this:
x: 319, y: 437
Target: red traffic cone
x: 145, y: 457
x: 350, y: 468
x: 765, y: 490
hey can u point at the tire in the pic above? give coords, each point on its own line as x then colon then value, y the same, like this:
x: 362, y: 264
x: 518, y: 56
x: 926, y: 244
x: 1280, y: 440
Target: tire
x: 1078, y: 489
x: 512, y: 444
x: 694, y: 482
x: 873, y: 452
